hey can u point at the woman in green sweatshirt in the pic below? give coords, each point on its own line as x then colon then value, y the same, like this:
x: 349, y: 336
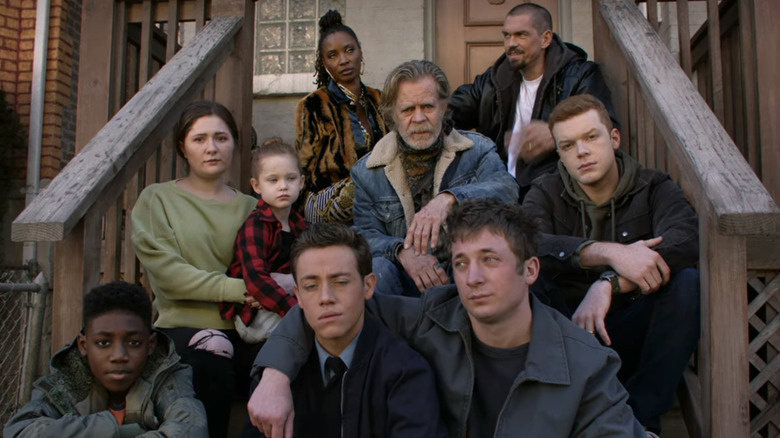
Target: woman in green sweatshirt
x: 183, y: 234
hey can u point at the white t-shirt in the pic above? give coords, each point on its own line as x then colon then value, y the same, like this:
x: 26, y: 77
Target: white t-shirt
x: 525, y: 106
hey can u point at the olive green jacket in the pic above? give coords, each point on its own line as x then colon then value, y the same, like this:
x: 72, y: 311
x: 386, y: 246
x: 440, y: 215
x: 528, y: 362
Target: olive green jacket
x: 70, y: 403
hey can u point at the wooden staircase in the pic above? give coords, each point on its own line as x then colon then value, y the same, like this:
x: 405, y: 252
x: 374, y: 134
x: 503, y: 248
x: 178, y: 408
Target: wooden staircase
x: 732, y: 390
x: 124, y: 145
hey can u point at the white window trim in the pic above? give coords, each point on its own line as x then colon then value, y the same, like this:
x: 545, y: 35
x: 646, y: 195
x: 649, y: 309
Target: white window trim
x: 288, y: 83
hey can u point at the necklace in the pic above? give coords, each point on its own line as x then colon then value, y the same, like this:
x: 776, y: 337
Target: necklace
x: 358, y: 100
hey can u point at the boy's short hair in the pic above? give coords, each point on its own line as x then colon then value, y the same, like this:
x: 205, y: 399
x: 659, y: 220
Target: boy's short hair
x: 412, y: 71
x: 327, y: 234
x: 117, y: 295
x: 472, y: 216
x: 270, y: 147
x: 576, y: 105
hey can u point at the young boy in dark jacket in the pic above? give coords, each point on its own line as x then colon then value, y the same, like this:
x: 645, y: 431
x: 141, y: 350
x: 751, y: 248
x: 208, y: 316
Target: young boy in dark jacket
x: 360, y: 380
x: 118, y: 378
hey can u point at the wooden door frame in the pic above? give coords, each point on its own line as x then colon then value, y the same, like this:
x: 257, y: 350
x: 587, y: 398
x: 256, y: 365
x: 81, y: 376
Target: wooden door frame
x: 564, y: 23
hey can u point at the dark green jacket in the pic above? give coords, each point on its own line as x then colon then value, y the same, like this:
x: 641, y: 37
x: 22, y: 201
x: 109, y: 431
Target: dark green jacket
x: 70, y: 403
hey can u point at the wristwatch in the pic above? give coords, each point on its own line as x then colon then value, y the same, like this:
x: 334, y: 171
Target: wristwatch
x: 613, y: 279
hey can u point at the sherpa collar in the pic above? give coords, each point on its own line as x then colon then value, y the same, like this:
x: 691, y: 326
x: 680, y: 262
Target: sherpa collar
x: 386, y: 153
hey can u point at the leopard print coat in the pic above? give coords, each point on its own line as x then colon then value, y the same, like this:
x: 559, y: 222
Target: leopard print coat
x: 326, y: 146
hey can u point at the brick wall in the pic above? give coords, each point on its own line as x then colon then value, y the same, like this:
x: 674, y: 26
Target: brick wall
x: 17, y: 41
x: 72, y: 33
x: 9, y: 48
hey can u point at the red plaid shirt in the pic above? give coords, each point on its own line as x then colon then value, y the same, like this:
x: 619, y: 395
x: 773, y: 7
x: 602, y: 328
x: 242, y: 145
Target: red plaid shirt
x: 257, y: 253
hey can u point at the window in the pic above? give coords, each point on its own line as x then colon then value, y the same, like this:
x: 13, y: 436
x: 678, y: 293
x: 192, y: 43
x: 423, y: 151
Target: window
x: 286, y: 42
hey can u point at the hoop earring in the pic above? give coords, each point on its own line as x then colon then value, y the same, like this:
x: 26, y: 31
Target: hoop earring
x: 362, y: 67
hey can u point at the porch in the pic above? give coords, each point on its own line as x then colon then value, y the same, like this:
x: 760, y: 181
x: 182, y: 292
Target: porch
x: 716, y: 137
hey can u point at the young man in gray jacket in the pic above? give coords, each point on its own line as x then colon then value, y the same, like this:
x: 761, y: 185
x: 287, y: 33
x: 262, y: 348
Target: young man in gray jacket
x: 505, y: 363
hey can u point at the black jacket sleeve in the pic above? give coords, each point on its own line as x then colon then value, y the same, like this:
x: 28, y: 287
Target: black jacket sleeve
x: 465, y: 102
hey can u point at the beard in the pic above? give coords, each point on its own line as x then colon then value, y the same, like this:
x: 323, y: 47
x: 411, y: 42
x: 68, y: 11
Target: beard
x: 517, y: 64
x: 421, y: 142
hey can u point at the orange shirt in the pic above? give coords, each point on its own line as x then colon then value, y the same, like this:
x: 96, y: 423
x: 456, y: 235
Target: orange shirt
x: 120, y: 415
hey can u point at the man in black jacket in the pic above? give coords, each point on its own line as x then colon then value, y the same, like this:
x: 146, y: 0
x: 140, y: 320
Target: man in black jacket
x: 360, y: 379
x: 618, y: 248
x: 512, y: 100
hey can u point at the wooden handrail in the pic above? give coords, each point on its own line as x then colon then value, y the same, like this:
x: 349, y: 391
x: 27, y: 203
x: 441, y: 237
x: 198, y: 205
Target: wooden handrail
x: 719, y: 180
x: 657, y: 99
x: 102, y: 169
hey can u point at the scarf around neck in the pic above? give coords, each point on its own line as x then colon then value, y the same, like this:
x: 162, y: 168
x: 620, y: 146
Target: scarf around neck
x: 419, y: 167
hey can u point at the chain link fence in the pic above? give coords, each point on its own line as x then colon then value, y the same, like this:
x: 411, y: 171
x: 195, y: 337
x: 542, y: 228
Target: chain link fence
x: 22, y: 304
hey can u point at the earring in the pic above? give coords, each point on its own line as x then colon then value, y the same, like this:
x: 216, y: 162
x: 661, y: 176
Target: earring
x: 362, y: 67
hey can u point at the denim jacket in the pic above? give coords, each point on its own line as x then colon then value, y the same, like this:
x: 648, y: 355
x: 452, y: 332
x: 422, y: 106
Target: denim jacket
x: 469, y: 167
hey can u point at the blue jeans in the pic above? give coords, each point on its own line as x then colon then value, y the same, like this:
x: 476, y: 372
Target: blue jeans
x: 655, y: 337
x: 392, y: 280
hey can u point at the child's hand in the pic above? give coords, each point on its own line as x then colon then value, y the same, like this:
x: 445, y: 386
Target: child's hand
x: 252, y: 302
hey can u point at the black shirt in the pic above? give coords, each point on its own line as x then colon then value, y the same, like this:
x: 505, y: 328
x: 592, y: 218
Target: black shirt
x: 495, y: 370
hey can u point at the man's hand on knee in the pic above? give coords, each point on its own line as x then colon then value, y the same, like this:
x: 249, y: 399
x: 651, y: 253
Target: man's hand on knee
x: 592, y: 311
x: 270, y: 408
x: 423, y: 233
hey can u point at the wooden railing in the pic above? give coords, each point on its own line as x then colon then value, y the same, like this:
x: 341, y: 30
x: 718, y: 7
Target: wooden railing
x: 667, y: 125
x: 735, y: 72
x: 86, y: 208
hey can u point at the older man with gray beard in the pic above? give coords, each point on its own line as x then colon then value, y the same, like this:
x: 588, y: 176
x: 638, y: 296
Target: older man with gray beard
x: 407, y: 185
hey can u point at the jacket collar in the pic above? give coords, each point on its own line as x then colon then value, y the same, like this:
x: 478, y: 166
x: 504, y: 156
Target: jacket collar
x: 366, y: 342
x: 546, y: 362
x: 72, y: 380
x: 639, y: 183
x: 265, y: 214
x: 386, y: 154
x: 338, y: 95
x: 557, y: 55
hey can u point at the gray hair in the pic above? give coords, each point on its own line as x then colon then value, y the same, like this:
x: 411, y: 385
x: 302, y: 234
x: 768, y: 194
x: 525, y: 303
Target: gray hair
x: 411, y: 71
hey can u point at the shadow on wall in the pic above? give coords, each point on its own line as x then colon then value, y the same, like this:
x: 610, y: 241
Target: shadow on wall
x: 13, y: 147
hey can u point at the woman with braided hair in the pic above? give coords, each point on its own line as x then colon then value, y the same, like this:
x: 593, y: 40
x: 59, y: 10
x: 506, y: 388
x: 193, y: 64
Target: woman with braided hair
x: 336, y: 124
